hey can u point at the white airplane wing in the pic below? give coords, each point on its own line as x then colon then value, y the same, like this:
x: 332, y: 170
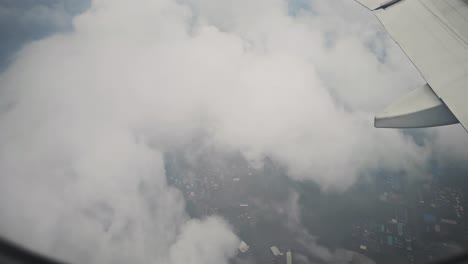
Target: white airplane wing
x: 434, y: 35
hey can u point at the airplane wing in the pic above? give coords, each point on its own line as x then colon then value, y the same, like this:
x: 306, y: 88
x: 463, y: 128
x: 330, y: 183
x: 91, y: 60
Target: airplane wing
x: 434, y: 36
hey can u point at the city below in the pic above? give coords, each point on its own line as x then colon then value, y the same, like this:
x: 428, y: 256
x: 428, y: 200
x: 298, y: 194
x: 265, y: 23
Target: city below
x: 387, y: 218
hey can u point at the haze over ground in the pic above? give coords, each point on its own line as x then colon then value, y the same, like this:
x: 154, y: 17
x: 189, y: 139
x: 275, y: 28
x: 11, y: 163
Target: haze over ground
x: 89, y: 108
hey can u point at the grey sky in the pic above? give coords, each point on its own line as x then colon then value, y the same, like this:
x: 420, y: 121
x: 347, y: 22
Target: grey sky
x: 25, y: 21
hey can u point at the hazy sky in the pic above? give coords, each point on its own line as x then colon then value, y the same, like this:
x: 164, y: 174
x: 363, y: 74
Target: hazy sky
x: 90, y: 106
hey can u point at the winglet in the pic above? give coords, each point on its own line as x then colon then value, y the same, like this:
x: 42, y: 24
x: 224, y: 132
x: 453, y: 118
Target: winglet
x: 419, y: 108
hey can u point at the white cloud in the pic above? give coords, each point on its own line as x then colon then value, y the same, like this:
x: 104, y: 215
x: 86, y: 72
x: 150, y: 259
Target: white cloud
x: 450, y: 144
x: 90, y: 111
x: 200, y: 243
x: 292, y: 211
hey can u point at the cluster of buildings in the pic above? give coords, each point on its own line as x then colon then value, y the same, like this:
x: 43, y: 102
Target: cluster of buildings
x: 442, y: 211
x: 392, y: 237
x: 417, y: 222
x: 441, y: 220
x: 277, y: 256
x: 389, y: 231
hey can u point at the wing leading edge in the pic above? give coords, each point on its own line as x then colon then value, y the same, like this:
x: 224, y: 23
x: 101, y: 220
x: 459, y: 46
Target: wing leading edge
x: 434, y: 35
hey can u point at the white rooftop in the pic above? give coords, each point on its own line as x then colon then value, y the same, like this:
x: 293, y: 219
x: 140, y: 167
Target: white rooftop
x: 243, y: 247
x: 288, y: 257
x: 275, y: 251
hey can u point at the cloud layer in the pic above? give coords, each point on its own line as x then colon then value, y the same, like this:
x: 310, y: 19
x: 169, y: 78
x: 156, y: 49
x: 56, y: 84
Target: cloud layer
x: 87, y: 114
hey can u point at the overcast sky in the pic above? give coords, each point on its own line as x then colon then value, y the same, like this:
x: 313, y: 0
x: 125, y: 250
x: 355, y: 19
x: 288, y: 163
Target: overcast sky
x: 92, y: 94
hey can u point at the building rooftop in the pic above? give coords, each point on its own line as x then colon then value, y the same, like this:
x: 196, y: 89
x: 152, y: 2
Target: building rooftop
x: 288, y: 257
x: 243, y: 247
x: 275, y: 251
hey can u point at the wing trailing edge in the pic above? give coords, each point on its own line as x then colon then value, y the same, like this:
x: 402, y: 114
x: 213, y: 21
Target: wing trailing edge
x: 377, y: 4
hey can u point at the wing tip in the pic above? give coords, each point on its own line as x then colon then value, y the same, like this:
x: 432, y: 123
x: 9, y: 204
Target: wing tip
x: 419, y: 108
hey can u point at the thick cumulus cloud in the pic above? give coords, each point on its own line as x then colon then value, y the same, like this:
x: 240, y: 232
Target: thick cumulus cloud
x: 291, y: 212
x: 305, y: 96
x: 86, y: 115
x: 82, y: 172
